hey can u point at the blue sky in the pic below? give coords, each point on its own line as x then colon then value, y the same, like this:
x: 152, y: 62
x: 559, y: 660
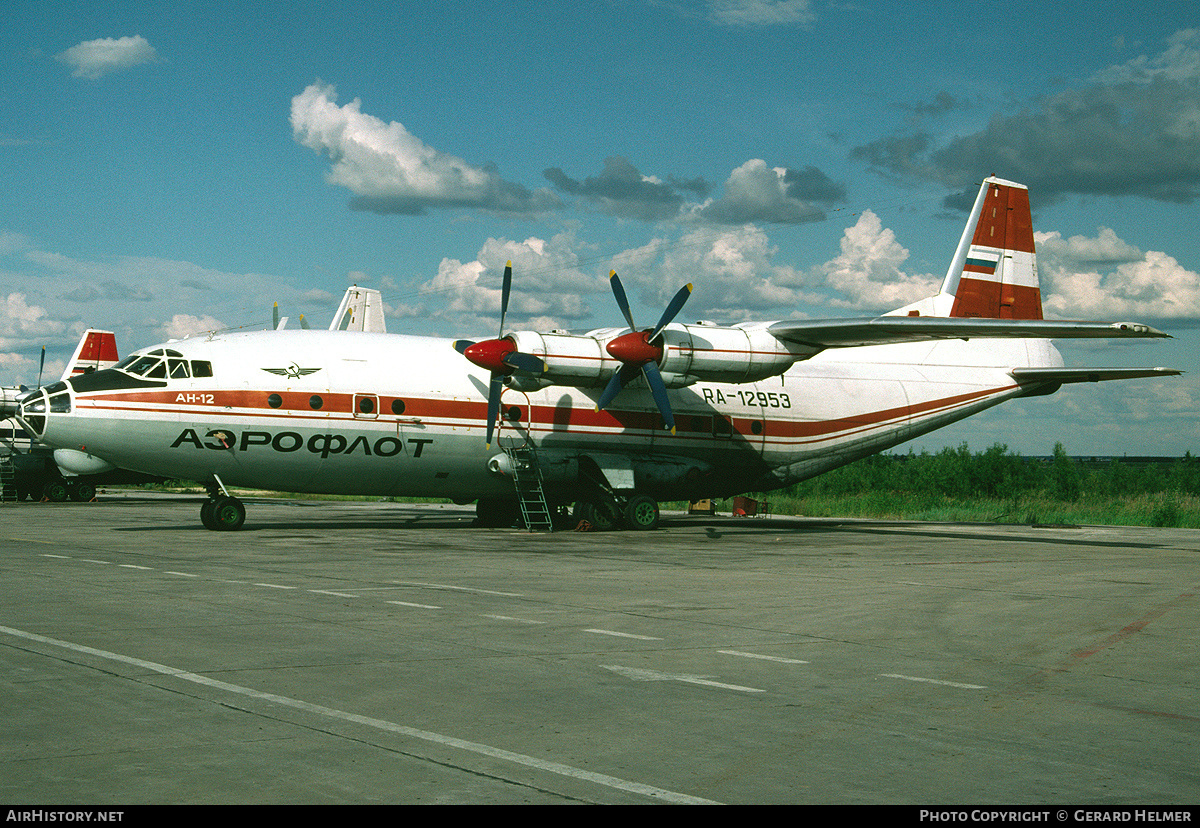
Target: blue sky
x: 181, y: 167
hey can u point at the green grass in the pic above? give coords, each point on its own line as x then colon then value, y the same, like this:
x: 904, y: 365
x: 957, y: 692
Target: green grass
x: 1149, y: 509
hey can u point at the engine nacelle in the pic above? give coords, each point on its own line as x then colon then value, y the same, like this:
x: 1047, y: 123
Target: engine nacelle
x: 8, y: 399
x: 712, y: 353
x: 690, y: 353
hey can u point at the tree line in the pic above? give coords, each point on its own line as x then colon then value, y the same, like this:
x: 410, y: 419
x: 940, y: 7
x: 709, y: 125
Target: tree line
x: 998, y: 473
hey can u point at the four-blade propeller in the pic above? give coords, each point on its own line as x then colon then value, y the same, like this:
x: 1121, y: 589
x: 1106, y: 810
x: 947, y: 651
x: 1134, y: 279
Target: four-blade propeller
x: 499, y: 356
x: 639, y: 352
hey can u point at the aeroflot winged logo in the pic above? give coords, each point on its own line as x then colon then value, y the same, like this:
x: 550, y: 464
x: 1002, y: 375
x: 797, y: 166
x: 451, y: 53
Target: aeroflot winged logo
x: 293, y: 371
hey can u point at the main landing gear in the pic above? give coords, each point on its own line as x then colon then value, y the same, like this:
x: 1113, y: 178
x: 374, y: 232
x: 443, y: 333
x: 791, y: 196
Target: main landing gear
x: 605, y: 513
x: 222, y: 512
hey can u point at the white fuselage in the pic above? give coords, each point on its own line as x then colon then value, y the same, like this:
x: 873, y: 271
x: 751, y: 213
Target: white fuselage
x: 389, y: 414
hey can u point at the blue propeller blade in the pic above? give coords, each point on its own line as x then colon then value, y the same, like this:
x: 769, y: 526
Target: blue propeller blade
x: 525, y: 362
x: 505, y: 290
x: 659, y: 389
x: 673, y: 309
x: 495, y: 388
x: 622, y: 300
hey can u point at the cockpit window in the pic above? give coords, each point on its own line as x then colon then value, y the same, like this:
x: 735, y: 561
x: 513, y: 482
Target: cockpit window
x: 142, y: 365
x: 162, y: 363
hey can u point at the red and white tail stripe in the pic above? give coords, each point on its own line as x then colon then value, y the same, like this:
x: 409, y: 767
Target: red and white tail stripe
x: 97, y: 350
x: 995, y: 276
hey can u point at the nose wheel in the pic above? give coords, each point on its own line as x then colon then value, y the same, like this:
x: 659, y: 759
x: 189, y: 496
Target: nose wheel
x: 223, y: 514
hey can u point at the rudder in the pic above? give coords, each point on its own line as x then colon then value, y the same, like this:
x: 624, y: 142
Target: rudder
x: 995, y: 276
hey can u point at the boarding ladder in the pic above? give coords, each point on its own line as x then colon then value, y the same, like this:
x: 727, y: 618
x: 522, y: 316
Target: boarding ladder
x: 8, y: 479
x: 527, y: 479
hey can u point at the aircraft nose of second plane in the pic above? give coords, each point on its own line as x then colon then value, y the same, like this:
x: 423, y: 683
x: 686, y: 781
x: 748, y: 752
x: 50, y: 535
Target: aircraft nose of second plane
x: 31, y: 411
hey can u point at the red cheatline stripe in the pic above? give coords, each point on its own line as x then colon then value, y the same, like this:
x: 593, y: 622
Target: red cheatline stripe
x: 581, y: 419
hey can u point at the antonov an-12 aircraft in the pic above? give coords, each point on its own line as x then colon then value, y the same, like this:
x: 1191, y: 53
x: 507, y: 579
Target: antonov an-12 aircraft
x: 613, y: 420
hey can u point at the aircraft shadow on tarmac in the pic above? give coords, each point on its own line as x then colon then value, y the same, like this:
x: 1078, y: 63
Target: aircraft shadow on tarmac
x: 398, y: 517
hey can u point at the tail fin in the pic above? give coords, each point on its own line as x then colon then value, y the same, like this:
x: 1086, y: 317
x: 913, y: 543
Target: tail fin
x: 361, y: 310
x: 96, y: 351
x: 993, y: 274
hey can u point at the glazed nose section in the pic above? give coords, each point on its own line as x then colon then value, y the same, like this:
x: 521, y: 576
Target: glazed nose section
x: 34, y: 408
x: 31, y: 411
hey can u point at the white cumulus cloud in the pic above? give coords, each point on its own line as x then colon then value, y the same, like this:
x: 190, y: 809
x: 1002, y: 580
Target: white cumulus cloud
x: 1106, y: 278
x: 867, y: 274
x: 183, y: 325
x: 390, y: 170
x: 548, y: 291
x: 756, y: 192
x: 94, y: 58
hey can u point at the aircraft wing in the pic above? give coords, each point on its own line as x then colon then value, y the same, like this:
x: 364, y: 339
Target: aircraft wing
x: 885, y: 330
x: 1067, y: 375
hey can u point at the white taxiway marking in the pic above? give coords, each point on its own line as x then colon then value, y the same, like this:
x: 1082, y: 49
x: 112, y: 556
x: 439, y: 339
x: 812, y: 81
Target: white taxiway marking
x: 458, y: 588
x: 275, y: 586
x: 624, y: 635
x: 184, y: 574
x: 510, y: 618
x: 135, y: 566
x: 935, y: 681
x: 763, y: 657
x: 408, y: 604
x: 330, y: 592
x: 638, y: 674
x: 379, y: 724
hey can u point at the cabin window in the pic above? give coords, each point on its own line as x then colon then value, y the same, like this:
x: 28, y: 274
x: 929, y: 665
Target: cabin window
x: 274, y: 401
x: 366, y: 405
x: 315, y: 402
x: 397, y: 406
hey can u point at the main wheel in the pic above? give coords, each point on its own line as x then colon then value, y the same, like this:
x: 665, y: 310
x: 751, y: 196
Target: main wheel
x: 228, y: 514
x: 206, y: 514
x: 82, y: 492
x: 641, y: 512
x: 56, y: 491
x: 602, y: 514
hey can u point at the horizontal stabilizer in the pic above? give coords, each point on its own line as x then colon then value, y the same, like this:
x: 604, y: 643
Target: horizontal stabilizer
x: 1068, y: 375
x: 886, y: 330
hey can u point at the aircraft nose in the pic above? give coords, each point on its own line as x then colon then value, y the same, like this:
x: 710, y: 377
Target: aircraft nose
x: 31, y: 411
x: 34, y: 408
